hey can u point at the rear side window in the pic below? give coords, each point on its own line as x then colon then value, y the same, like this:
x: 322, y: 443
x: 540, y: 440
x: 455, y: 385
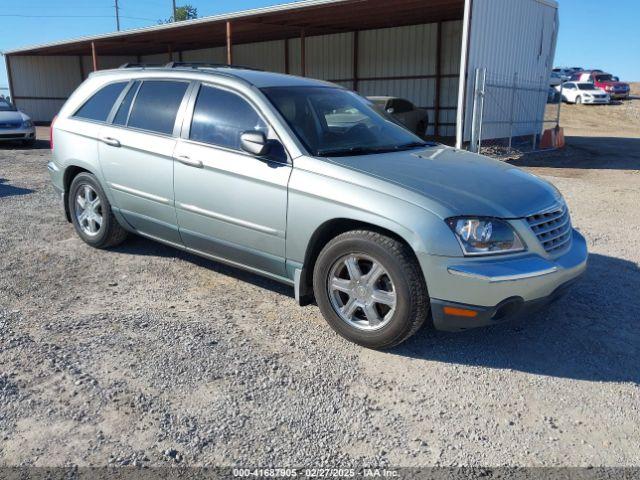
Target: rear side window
x: 125, y: 106
x: 98, y: 107
x: 156, y: 106
x: 220, y: 117
x: 401, y: 106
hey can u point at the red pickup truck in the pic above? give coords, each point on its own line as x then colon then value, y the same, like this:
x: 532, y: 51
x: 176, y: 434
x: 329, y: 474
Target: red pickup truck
x: 607, y: 82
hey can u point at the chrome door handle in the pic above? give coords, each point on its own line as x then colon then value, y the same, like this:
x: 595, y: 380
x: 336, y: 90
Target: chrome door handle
x: 111, y: 141
x: 185, y: 160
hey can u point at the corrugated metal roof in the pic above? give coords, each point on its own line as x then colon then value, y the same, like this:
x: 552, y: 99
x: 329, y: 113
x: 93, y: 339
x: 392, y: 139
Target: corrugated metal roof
x: 262, y: 24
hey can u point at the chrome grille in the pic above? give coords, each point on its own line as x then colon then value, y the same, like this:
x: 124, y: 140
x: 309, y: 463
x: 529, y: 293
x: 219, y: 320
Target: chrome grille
x: 553, y: 228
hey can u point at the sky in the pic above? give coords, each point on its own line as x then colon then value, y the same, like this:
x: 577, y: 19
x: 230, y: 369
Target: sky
x: 593, y: 33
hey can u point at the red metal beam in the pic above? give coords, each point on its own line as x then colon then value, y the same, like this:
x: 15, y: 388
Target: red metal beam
x: 94, y: 56
x: 229, y: 44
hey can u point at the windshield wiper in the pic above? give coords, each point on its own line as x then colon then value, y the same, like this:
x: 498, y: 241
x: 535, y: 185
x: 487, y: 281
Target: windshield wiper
x: 345, y: 152
x: 409, y: 146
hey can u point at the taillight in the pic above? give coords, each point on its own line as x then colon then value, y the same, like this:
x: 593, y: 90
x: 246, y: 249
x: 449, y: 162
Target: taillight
x: 51, y: 132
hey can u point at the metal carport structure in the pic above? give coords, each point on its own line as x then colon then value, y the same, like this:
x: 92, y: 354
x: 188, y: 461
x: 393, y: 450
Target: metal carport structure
x: 423, y: 50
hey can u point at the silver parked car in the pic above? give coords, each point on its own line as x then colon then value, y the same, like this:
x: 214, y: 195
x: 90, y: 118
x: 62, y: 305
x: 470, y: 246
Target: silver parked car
x: 414, y: 118
x: 15, y: 125
x: 306, y: 183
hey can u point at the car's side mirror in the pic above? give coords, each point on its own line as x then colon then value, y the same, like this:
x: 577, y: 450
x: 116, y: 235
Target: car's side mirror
x: 254, y: 143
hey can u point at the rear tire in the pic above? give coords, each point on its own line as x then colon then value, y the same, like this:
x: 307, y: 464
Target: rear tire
x: 370, y: 289
x: 91, y: 213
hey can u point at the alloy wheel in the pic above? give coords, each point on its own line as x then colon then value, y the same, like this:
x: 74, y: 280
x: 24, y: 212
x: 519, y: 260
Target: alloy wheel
x: 362, y: 292
x: 88, y: 210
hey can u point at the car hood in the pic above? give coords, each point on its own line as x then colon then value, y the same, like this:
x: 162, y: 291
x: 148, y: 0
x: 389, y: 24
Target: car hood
x: 463, y: 182
x: 11, y: 117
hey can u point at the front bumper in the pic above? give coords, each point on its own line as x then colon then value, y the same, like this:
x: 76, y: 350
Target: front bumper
x: 595, y: 101
x: 492, y: 290
x: 9, y: 135
x: 619, y: 95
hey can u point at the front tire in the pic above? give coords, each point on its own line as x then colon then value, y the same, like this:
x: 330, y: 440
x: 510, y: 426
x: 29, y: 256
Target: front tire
x: 370, y: 289
x: 91, y: 213
x: 578, y: 101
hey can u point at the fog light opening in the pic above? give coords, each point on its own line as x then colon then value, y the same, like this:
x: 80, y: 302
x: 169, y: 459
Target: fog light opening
x: 507, y: 308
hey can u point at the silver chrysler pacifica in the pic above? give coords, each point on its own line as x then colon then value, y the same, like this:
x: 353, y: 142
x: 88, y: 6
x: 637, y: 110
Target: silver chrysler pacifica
x: 307, y: 183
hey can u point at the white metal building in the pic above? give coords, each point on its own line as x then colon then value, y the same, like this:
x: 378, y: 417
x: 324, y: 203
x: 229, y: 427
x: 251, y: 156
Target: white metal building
x: 423, y: 50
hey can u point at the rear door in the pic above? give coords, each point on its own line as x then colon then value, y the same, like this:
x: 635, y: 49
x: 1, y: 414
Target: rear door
x: 136, y: 155
x: 230, y: 204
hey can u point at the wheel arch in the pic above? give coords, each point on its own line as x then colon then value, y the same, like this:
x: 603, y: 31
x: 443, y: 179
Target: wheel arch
x: 326, y: 232
x: 71, y: 172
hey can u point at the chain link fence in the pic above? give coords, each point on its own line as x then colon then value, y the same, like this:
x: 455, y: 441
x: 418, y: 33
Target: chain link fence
x: 510, y: 114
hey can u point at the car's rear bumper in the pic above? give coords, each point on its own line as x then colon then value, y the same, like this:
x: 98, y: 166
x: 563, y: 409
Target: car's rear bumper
x: 478, y: 293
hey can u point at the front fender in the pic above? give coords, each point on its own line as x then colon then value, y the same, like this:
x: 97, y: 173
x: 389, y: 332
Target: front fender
x: 315, y: 199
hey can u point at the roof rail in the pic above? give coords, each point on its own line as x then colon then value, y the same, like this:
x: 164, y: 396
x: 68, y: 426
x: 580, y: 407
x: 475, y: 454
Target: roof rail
x: 196, y: 65
x: 140, y: 65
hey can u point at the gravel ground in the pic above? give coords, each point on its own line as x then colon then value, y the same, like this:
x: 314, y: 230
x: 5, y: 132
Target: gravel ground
x: 144, y: 355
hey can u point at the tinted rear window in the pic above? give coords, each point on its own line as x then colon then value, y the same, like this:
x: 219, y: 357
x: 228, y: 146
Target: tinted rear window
x: 156, y: 105
x: 98, y: 107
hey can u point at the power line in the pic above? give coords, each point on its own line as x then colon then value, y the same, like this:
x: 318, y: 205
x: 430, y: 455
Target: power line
x: 71, y: 16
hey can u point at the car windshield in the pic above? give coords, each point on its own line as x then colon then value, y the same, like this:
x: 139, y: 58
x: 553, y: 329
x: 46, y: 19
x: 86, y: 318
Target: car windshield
x: 335, y: 122
x: 604, y: 78
x: 6, y: 106
x: 586, y: 86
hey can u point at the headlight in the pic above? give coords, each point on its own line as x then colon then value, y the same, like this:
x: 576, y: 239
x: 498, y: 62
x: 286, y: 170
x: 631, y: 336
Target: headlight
x: 27, y: 124
x: 485, y: 236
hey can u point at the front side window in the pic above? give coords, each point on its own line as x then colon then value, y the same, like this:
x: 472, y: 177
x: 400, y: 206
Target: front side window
x: 156, y: 106
x: 221, y: 117
x: 99, y: 106
x: 335, y: 122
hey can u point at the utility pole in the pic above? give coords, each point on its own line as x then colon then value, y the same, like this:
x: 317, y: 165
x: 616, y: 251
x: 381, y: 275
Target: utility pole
x: 117, y: 16
x: 175, y: 12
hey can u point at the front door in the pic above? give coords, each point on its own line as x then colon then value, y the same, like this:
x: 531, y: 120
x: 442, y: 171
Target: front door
x: 230, y: 204
x: 136, y: 155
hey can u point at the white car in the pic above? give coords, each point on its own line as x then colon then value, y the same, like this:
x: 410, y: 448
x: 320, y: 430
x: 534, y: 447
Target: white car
x: 583, y: 92
x: 15, y: 125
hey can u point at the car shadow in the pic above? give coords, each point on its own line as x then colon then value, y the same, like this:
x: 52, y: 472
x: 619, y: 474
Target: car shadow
x: 605, y: 153
x: 592, y: 333
x: 136, y: 245
x: 7, y: 190
x: 18, y: 145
